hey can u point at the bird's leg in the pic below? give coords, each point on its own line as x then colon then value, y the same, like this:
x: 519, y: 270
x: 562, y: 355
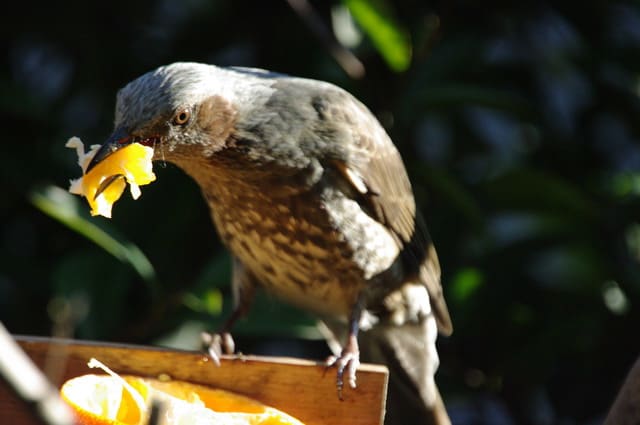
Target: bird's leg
x: 221, y: 342
x: 349, y: 358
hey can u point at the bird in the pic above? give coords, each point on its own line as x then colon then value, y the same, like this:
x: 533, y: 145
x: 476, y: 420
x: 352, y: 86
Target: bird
x: 312, y: 199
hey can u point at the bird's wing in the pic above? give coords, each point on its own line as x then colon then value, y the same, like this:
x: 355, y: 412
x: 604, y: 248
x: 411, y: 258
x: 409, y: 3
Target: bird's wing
x: 376, y: 172
x: 375, y: 169
x: 330, y: 125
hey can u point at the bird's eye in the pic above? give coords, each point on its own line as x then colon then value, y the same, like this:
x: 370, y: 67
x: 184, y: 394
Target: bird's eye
x: 182, y: 117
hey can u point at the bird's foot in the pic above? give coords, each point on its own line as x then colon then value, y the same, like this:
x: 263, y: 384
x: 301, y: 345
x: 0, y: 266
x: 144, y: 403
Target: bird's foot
x: 218, y: 344
x: 347, y: 363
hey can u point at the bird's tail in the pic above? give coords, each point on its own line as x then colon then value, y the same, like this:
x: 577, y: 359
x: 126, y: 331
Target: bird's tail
x: 409, y: 352
x: 410, y: 410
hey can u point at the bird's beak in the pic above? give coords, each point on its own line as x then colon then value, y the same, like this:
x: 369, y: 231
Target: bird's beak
x: 118, y: 139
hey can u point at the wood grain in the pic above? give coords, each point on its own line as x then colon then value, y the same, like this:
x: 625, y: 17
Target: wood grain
x: 302, y: 388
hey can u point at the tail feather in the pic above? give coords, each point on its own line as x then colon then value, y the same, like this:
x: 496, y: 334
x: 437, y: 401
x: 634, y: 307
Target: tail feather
x: 403, y: 409
x: 409, y: 352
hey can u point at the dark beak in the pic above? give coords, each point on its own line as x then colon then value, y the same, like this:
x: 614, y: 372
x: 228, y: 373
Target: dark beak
x: 119, y: 139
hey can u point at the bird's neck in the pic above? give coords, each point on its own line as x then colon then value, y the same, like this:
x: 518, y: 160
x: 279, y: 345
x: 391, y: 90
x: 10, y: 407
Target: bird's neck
x: 232, y: 173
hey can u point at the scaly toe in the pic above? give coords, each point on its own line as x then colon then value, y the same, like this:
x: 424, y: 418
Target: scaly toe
x: 347, y: 363
x: 217, y: 344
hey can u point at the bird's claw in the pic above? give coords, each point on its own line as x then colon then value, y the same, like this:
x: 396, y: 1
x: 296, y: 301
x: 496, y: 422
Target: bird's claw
x: 347, y: 363
x: 218, y: 344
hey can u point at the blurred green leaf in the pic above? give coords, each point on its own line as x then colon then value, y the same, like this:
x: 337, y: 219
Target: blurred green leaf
x: 626, y: 184
x: 465, y: 284
x: 205, y: 295
x: 210, y: 302
x: 64, y: 207
x: 390, y: 38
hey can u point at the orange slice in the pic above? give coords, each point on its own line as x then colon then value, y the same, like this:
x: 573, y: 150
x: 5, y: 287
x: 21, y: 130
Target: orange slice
x: 125, y: 400
x: 108, y: 179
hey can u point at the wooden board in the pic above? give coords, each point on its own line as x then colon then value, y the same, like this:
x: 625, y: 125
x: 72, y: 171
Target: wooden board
x: 304, y: 389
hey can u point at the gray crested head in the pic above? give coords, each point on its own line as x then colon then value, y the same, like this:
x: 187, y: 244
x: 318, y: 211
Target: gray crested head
x: 158, y: 94
x: 193, y: 111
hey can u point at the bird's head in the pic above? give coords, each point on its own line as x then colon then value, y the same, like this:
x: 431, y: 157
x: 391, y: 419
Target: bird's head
x: 175, y: 109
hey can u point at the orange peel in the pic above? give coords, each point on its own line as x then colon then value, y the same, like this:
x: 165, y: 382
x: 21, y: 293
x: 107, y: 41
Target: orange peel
x: 125, y: 400
x: 130, y: 164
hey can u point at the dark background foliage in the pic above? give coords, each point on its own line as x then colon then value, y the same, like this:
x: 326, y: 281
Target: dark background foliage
x: 519, y: 125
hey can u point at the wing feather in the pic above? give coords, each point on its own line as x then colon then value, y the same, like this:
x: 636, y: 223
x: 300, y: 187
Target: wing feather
x: 332, y: 127
x: 375, y: 170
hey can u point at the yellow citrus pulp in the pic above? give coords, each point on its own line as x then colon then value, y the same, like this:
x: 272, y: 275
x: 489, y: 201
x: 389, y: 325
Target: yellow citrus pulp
x: 126, y: 400
x: 129, y: 164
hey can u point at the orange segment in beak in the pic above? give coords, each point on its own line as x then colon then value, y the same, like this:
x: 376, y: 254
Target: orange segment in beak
x: 103, y: 182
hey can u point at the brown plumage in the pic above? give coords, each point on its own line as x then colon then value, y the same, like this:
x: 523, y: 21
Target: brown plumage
x: 311, y: 197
